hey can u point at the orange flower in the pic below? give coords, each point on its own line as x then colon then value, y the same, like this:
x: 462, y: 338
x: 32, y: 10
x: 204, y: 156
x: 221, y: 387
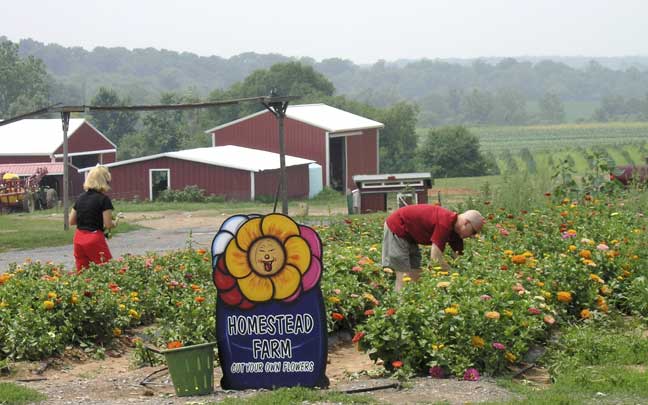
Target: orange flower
x: 585, y: 254
x: 585, y: 314
x: 519, y: 259
x: 397, y: 364
x: 200, y: 299
x: 337, y: 316
x: 201, y: 251
x: 492, y: 315
x: 564, y: 296
x: 174, y: 344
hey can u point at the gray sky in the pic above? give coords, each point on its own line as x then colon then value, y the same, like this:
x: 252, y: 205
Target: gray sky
x: 361, y: 30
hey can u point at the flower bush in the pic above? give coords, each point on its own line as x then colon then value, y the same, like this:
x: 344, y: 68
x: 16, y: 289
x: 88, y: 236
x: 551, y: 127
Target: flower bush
x: 570, y: 261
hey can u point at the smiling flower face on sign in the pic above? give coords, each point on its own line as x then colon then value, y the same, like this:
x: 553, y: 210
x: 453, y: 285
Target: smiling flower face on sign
x: 258, y: 259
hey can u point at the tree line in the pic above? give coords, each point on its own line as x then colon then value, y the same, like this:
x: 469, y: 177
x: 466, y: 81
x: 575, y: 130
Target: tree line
x: 444, y: 152
x: 503, y: 91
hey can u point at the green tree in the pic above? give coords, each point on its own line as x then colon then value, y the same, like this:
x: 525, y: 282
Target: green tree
x: 398, y: 140
x: 452, y: 152
x: 552, y: 109
x: 164, y: 130
x: 114, y: 124
x: 23, y: 82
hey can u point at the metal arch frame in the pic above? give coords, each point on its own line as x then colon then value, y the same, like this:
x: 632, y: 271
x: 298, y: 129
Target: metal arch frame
x: 274, y: 103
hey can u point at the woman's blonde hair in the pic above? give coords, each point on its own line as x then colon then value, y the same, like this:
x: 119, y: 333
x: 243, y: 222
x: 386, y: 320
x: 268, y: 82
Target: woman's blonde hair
x: 98, y: 179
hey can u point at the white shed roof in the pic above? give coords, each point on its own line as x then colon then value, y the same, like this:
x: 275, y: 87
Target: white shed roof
x: 235, y: 157
x: 322, y: 116
x: 34, y: 137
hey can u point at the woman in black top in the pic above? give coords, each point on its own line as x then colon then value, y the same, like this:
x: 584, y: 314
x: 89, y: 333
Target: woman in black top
x: 92, y: 213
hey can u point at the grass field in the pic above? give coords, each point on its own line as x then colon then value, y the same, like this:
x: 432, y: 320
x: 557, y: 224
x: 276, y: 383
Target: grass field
x: 28, y: 231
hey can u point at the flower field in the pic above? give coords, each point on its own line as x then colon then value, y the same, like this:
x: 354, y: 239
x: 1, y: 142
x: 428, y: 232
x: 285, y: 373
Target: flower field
x: 530, y: 272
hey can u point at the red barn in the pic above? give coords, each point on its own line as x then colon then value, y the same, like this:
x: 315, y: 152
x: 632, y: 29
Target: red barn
x: 344, y: 144
x: 231, y: 171
x: 36, y: 141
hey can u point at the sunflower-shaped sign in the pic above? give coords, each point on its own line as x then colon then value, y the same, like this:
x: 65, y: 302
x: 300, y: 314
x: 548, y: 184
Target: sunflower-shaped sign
x: 264, y: 258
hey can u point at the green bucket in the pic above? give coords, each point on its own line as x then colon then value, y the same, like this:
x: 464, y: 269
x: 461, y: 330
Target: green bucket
x: 192, y: 369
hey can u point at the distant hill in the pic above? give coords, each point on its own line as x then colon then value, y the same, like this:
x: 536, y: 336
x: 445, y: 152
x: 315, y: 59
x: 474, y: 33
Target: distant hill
x: 446, y: 90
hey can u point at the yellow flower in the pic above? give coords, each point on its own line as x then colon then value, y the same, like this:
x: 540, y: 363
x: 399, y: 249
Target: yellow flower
x: 134, y: 294
x: 477, y: 341
x: 51, y: 295
x: 527, y: 254
x: 407, y: 279
x: 117, y: 332
x: 492, y: 315
x: 510, y: 357
x: 451, y: 311
x: 122, y: 307
x: 442, y: 273
x: 334, y: 300
x: 268, y: 258
x: 133, y: 314
x: 74, y: 299
x: 564, y: 296
x: 48, y: 305
x: 3, y: 304
x: 438, y: 347
x: 508, y: 313
x: 605, y: 290
x: 443, y: 284
x: 508, y: 252
x: 572, y: 248
x: 134, y: 299
x: 546, y: 294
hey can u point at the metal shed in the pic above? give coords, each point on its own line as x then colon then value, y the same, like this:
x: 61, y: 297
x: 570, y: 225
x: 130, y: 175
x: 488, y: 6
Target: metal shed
x: 373, y: 189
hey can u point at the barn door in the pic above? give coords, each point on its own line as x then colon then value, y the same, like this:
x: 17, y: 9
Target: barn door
x: 337, y: 159
x: 159, y: 180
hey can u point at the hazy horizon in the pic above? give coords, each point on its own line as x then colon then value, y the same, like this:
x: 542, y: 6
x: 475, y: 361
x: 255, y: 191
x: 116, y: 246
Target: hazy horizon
x: 363, y: 32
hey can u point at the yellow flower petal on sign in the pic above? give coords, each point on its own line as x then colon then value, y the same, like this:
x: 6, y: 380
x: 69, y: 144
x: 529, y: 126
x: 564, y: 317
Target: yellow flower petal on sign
x: 256, y: 288
x: 279, y: 226
x: 286, y: 282
x: 236, y: 261
x: 298, y: 253
x: 248, y: 233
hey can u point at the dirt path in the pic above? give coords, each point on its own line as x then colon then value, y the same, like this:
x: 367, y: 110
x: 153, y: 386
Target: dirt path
x: 115, y: 381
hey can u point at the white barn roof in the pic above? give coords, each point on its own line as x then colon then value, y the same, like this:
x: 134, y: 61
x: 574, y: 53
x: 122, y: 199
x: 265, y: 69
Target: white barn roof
x: 235, y: 157
x: 322, y: 116
x: 34, y: 137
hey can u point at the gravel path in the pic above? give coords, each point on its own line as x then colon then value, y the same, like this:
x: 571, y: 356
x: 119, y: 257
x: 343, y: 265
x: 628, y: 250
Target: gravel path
x: 136, y: 242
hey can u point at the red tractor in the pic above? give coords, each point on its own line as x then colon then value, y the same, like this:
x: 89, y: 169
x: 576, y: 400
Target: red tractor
x: 21, y: 194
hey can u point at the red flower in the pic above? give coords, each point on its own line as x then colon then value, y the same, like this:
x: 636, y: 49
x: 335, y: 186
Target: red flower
x: 390, y: 312
x: 534, y: 311
x: 358, y: 337
x: 397, y: 364
x: 337, y: 316
x: 369, y: 312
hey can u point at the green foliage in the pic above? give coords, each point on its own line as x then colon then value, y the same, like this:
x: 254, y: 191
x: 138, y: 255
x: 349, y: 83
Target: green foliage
x: 552, y: 110
x: 114, y: 124
x: 25, y: 84
x: 188, y: 194
x: 452, y: 152
x: 300, y: 395
x: 17, y: 394
x: 398, y: 140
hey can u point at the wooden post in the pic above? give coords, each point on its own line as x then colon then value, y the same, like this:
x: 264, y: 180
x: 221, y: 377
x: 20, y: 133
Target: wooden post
x: 65, y: 118
x: 282, y: 166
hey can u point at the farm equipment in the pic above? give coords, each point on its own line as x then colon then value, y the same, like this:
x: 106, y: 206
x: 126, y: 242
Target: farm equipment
x: 24, y: 194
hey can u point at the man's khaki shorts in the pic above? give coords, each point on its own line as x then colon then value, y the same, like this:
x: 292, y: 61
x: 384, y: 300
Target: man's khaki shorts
x: 399, y: 254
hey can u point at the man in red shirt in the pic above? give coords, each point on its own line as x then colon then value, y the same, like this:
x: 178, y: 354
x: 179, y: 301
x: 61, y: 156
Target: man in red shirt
x: 423, y: 224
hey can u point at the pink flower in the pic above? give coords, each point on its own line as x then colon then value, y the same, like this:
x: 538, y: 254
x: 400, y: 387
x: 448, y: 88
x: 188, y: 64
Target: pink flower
x: 356, y: 269
x: 503, y: 232
x: 485, y: 297
x: 471, y: 375
x: 498, y: 346
x: 602, y: 246
x: 437, y: 372
x: 534, y: 311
